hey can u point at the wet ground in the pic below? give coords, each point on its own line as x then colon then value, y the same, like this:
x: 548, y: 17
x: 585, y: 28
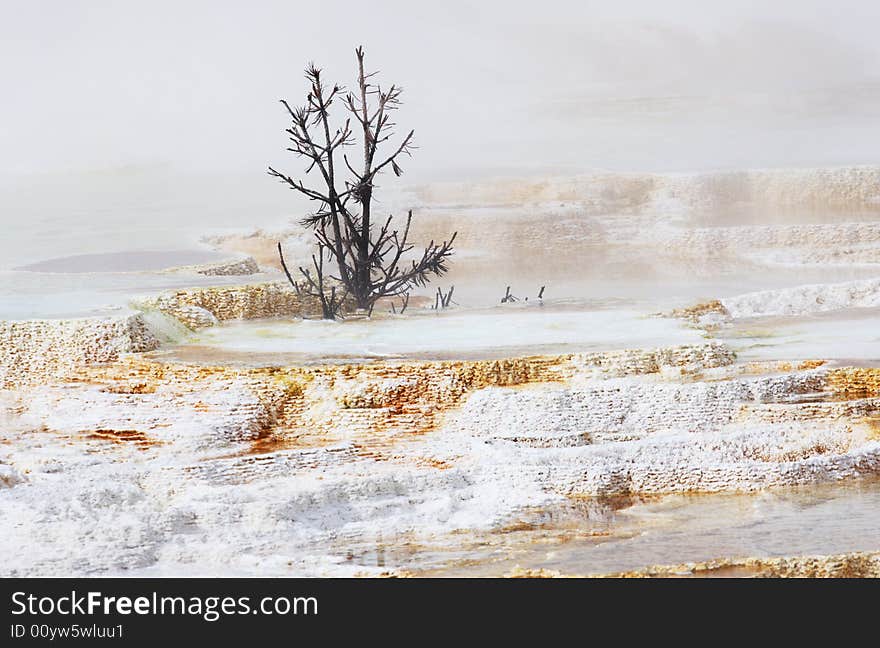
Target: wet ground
x: 850, y: 336
x: 594, y: 536
x: 504, y: 331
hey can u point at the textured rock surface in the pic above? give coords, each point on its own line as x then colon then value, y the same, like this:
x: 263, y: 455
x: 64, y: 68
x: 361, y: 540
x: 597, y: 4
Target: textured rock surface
x: 850, y: 565
x: 807, y: 299
x: 236, y: 266
x: 33, y: 351
x: 252, y: 469
x: 608, y: 424
x: 246, y: 266
x: 803, y: 300
x: 196, y: 307
x: 346, y: 400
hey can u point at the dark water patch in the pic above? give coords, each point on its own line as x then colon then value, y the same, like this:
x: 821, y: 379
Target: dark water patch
x: 132, y: 261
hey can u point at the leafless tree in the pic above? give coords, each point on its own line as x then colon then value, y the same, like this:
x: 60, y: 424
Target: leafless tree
x: 371, y: 262
x: 443, y: 300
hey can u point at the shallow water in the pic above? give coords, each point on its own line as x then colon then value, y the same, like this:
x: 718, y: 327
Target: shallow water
x: 501, y: 331
x: 26, y: 295
x: 850, y: 336
x: 598, y: 537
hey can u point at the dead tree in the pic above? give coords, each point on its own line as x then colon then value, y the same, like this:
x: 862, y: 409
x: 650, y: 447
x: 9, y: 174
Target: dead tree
x: 403, y: 304
x: 447, y: 299
x: 371, y: 261
x: 443, y: 300
x: 508, y: 297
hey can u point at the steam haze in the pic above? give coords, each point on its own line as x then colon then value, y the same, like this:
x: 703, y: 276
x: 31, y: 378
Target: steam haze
x: 491, y: 87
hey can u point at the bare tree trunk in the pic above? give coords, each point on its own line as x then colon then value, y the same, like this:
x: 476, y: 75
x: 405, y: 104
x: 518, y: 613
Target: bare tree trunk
x: 366, y: 195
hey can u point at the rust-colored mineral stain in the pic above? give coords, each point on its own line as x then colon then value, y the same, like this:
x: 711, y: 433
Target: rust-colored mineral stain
x: 371, y: 453
x: 519, y: 525
x: 136, y: 437
x: 439, y: 464
x: 272, y: 443
x: 139, y: 387
x: 723, y: 571
x: 873, y: 424
x: 855, y: 382
x: 699, y: 309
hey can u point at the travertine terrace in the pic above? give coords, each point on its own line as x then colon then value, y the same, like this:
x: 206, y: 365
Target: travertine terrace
x: 201, y: 307
x: 131, y: 432
x: 854, y: 565
x: 418, y: 449
x: 34, y: 351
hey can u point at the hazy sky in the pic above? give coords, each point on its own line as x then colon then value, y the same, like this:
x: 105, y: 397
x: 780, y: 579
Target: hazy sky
x: 490, y: 86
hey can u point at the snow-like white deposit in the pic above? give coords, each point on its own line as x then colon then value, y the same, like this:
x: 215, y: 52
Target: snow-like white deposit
x: 288, y: 513
x: 803, y: 300
x: 159, y: 479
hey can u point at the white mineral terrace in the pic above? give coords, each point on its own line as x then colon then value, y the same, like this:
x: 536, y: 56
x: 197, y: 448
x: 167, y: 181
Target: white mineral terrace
x: 701, y: 382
